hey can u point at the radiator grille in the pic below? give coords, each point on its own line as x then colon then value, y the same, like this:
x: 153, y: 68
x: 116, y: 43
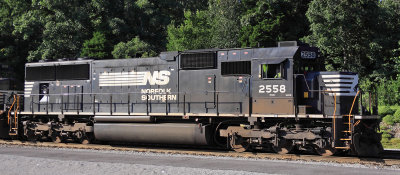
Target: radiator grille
x: 198, y: 61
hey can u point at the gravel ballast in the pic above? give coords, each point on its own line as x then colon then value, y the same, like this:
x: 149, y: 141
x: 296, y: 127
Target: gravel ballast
x: 45, y: 160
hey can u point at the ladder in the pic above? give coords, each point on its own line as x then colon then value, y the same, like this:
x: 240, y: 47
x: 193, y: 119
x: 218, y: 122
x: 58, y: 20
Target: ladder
x: 347, y: 131
x: 13, y: 117
x: 348, y: 125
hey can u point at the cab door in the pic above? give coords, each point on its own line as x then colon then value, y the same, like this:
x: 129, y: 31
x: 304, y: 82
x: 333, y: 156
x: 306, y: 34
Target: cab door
x: 272, y: 90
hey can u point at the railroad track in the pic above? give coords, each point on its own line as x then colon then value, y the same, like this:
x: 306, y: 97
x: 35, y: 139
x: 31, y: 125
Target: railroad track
x: 390, y: 157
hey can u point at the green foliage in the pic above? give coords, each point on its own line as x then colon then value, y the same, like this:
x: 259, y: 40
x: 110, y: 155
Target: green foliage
x: 385, y: 110
x: 267, y: 22
x: 43, y: 29
x: 134, y: 48
x: 352, y: 34
x: 95, y: 47
x: 396, y: 116
x: 393, y: 143
x: 60, y: 40
x: 389, y: 92
x: 194, y: 33
x: 225, y: 23
x: 389, y: 119
x: 386, y: 135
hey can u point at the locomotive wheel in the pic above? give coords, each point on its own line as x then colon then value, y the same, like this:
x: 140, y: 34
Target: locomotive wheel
x: 85, y: 141
x: 283, y: 148
x: 327, y: 151
x: 238, y: 144
x: 30, y: 136
x: 56, y: 139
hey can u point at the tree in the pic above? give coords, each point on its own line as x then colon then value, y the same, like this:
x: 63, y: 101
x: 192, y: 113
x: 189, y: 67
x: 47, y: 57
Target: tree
x: 60, y: 40
x: 216, y: 27
x: 194, y: 33
x: 14, y: 46
x: 388, y: 36
x: 266, y: 22
x: 95, y: 47
x: 345, y: 31
x: 134, y: 48
x: 225, y: 23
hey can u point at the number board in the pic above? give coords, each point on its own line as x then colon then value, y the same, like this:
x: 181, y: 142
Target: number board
x: 308, y: 55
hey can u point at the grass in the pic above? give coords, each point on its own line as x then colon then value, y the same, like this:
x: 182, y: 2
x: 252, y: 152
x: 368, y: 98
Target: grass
x: 387, y: 140
x: 393, y: 143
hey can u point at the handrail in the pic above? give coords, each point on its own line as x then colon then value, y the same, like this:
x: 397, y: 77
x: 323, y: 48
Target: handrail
x: 9, y: 111
x: 351, y: 110
x: 114, y: 105
x: 354, y: 100
x: 334, y: 118
x: 15, y: 112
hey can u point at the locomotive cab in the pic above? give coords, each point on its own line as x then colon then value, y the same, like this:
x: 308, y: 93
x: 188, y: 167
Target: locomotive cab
x: 319, y: 91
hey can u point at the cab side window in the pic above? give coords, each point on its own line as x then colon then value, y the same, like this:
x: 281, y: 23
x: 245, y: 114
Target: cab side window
x: 271, y: 71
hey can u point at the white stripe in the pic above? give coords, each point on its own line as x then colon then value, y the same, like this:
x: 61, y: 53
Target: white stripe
x: 26, y: 82
x: 338, y: 76
x: 338, y: 81
x: 123, y: 84
x: 338, y: 85
x: 121, y: 76
x: 343, y: 94
x: 123, y: 79
x: 340, y: 89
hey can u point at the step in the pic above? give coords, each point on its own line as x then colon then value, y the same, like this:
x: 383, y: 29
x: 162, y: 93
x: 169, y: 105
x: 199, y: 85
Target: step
x: 345, y: 139
x: 346, y: 131
x: 12, y: 134
x: 342, y: 147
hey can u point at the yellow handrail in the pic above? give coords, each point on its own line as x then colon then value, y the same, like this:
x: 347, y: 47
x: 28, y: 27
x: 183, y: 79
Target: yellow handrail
x: 15, y: 113
x: 351, y: 109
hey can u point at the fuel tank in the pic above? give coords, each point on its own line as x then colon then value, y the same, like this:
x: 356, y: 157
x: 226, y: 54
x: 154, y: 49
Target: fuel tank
x: 162, y: 133
x: 122, y: 119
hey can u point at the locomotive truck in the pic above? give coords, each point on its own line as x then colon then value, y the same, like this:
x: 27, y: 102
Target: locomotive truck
x: 277, y: 98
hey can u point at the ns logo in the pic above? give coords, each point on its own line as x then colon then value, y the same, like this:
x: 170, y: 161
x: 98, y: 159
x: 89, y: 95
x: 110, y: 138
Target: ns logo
x: 158, y: 77
x: 134, y: 78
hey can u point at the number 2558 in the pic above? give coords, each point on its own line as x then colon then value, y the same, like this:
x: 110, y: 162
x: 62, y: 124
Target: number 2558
x: 272, y: 89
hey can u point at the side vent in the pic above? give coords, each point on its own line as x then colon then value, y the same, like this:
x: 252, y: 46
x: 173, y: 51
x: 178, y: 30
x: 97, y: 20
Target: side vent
x: 73, y: 72
x: 199, y: 60
x: 41, y: 73
x: 236, y: 68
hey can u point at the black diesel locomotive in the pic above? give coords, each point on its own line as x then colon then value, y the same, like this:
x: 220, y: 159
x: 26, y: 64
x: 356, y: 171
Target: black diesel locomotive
x: 263, y: 98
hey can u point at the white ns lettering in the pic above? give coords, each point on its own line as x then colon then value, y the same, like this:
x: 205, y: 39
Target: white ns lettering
x: 158, y: 77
